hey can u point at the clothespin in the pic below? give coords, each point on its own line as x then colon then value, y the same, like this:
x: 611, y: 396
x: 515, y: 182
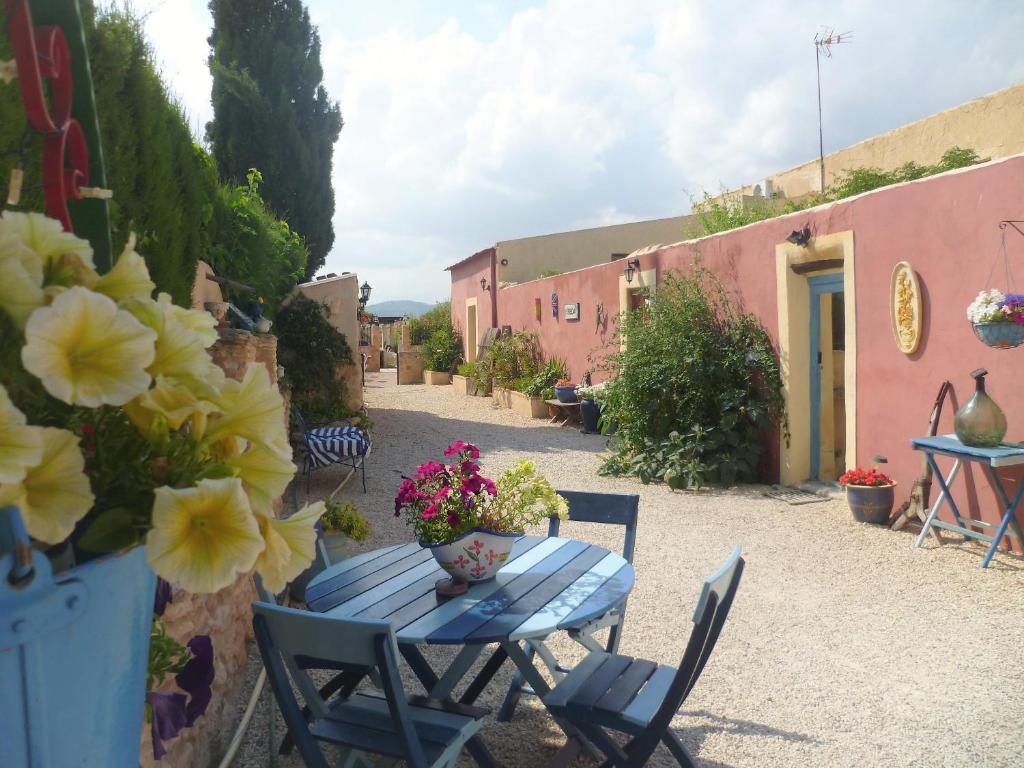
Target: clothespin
x: 8, y: 70
x: 14, y: 185
x: 96, y: 193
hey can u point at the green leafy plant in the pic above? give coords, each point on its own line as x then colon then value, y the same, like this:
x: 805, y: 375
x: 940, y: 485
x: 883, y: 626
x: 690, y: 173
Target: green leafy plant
x: 438, y: 318
x: 549, y: 273
x: 344, y: 517
x: 511, y: 358
x: 552, y: 370
x: 698, y: 389
x: 467, y: 369
x: 312, y: 351
x: 443, y: 350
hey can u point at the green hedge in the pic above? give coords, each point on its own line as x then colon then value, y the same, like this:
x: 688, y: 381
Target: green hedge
x: 165, y: 187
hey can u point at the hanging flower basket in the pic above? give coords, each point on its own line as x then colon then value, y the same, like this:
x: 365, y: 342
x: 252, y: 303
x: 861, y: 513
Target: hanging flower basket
x: 998, y: 318
x: 1000, y: 335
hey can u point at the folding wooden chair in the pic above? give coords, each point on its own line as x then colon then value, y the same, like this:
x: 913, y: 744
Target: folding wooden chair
x: 586, y: 507
x: 639, y: 697
x: 423, y: 733
x: 329, y: 445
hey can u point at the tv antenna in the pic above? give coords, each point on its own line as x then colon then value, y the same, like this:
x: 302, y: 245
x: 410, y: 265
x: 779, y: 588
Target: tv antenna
x: 823, y: 42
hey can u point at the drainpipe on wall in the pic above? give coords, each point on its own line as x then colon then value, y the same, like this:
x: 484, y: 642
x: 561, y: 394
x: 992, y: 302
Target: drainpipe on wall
x: 494, y: 287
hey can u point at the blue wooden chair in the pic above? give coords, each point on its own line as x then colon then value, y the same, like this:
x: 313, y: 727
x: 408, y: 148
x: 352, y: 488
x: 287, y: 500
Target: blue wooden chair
x: 329, y: 445
x: 638, y: 697
x: 586, y: 507
x: 423, y: 733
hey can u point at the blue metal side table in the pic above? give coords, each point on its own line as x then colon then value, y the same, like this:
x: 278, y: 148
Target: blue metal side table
x: 990, y: 458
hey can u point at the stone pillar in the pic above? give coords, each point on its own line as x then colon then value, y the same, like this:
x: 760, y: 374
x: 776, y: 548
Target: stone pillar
x: 410, y: 366
x: 225, y: 616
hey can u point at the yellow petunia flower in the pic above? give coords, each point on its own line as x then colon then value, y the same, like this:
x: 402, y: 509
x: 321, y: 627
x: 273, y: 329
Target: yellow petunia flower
x: 55, y: 494
x: 290, y: 545
x: 129, y: 277
x: 86, y: 351
x: 200, y: 323
x: 251, y: 408
x: 265, y: 471
x: 21, y: 289
x: 46, y: 237
x: 203, y: 537
x: 21, y: 446
x: 172, y: 400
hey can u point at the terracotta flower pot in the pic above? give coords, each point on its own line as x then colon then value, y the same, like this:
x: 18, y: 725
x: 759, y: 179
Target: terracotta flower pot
x: 871, y: 503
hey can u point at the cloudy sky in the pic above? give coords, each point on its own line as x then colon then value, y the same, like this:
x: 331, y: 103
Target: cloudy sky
x: 468, y: 123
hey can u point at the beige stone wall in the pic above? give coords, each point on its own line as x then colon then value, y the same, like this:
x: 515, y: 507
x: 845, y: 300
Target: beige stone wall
x: 992, y: 125
x: 341, y: 296
x: 410, y: 366
x: 225, y: 616
x: 567, y: 251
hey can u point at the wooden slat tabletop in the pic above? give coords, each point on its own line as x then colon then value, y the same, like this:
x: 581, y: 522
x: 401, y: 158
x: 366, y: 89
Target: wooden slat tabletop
x: 548, y: 584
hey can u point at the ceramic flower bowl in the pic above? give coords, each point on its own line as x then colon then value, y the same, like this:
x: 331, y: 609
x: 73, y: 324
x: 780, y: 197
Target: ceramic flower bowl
x: 475, y: 556
x: 1000, y: 335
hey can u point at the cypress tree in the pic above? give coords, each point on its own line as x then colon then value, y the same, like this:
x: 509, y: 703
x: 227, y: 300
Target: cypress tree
x: 272, y: 112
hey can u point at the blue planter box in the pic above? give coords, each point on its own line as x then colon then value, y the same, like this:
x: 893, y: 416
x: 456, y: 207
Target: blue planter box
x: 74, y: 648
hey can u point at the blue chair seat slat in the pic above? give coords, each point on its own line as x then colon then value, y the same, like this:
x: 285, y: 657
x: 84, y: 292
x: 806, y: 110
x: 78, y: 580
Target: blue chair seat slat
x: 599, y: 682
x: 615, y: 590
x: 560, y: 696
x: 369, y: 581
x: 457, y: 630
x: 623, y: 690
x: 522, y: 609
x: 319, y: 588
x: 646, y: 703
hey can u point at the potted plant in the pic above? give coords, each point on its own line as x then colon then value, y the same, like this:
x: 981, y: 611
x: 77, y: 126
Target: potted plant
x: 870, y: 494
x: 565, y: 391
x: 469, y: 522
x: 590, y: 410
x: 528, y: 400
x: 465, y: 379
x: 441, y: 353
x: 998, y: 318
x: 341, y: 523
x: 124, y: 451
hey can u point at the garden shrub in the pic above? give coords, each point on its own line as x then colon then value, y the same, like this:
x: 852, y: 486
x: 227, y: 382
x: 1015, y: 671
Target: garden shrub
x: 552, y: 370
x: 443, y: 350
x: 312, y: 351
x: 426, y: 325
x: 511, y: 358
x: 698, y: 388
x: 467, y: 369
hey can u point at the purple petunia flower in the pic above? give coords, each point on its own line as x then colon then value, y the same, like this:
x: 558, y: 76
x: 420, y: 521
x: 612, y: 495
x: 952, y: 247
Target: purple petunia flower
x: 168, y: 718
x: 196, y: 678
x: 163, y: 596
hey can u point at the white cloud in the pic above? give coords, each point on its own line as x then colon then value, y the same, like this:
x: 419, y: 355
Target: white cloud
x: 467, y: 126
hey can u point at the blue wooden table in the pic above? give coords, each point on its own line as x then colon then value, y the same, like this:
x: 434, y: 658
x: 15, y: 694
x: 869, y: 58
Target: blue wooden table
x: 991, y: 459
x: 549, y: 584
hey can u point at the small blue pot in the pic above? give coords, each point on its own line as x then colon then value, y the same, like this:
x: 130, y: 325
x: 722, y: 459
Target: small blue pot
x: 871, y: 503
x: 1000, y: 335
x: 590, y: 412
x: 565, y: 394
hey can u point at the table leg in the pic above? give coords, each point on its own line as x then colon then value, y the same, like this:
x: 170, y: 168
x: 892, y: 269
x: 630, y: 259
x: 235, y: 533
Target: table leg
x: 944, y: 484
x: 541, y: 688
x: 1009, y: 516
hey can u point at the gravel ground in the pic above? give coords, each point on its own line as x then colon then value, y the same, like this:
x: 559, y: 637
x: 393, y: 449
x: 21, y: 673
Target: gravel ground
x: 845, y: 646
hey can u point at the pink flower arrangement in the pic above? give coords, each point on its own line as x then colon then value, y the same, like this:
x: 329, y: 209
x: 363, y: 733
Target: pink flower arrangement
x: 443, y: 501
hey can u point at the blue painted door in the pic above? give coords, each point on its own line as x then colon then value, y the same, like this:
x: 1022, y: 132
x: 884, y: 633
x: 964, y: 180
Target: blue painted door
x: 819, y: 286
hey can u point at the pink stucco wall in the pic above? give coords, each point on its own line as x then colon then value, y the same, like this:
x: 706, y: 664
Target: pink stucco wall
x: 466, y: 285
x: 946, y: 227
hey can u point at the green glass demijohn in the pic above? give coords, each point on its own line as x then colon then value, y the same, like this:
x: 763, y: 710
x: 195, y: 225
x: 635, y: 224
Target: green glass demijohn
x: 981, y: 422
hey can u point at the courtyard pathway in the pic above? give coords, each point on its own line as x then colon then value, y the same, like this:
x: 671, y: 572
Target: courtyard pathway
x: 845, y: 647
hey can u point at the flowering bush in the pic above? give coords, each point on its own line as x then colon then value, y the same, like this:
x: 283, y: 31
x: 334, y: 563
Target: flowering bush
x: 993, y: 306
x: 442, y: 502
x: 860, y: 476
x: 116, y: 427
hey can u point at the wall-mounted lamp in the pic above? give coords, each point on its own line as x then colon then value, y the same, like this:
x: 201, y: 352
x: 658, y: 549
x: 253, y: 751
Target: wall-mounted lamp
x: 483, y: 284
x: 800, y: 237
x: 631, y: 267
x: 364, y: 294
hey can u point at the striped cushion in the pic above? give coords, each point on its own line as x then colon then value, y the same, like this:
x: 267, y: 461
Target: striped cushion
x: 329, y: 445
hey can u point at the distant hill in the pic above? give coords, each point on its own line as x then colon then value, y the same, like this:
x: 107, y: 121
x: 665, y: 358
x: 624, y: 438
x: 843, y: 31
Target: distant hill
x: 399, y: 308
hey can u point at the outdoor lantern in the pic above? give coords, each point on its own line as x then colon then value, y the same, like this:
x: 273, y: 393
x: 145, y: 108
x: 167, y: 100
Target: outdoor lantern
x: 364, y: 294
x: 631, y: 268
x: 483, y: 284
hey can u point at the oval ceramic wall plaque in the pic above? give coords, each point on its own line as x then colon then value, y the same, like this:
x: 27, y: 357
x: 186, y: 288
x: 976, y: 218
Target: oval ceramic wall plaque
x: 905, y: 306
